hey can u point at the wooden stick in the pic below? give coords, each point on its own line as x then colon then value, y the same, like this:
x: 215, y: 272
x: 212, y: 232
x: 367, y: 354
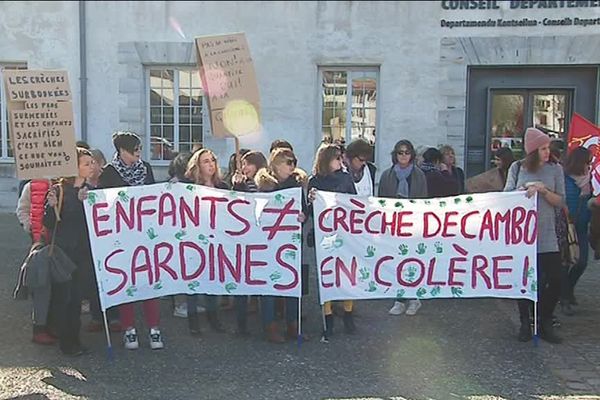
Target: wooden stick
x: 238, y: 161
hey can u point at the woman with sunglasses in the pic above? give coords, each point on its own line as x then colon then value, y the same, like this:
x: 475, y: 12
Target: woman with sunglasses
x: 128, y: 169
x: 403, y: 180
x: 329, y: 176
x: 280, y: 173
x: 202, y: 169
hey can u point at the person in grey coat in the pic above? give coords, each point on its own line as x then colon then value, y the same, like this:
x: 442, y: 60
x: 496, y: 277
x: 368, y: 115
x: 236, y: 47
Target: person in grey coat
x: 403, y: 180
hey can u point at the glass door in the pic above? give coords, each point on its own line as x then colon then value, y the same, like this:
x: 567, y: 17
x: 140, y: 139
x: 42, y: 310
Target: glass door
x: 508, y: 119
x: 510, y: 112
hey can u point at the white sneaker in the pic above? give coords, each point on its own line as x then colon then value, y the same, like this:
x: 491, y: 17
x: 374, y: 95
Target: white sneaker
x: 156, y: 342
x: 397, y: 309
x: 200, y: 309
x: 180, y: 311
x: 413, y: 307
x: 130, y: 339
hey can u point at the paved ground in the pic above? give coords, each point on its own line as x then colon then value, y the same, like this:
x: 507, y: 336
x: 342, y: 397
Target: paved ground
x: 453, y: 349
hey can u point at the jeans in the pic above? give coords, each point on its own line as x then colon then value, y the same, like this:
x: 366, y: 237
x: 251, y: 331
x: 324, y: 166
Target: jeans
x: 267, y: 305
x: 578, y: 269
x: 211, y: 302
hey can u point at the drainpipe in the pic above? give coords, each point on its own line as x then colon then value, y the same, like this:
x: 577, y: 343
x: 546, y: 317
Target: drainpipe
x: 83, y: 71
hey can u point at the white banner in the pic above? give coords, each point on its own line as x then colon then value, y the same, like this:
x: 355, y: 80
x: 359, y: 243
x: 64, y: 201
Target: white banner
x: 480, y: 245
x: 164, y: 239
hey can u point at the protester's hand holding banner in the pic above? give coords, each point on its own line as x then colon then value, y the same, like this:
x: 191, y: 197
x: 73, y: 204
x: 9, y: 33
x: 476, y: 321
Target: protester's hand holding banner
x: 481, y: 245
x: 164, y: 239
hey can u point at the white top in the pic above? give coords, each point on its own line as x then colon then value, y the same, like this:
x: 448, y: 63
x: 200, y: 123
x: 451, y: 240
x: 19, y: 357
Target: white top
x: 364, y: 187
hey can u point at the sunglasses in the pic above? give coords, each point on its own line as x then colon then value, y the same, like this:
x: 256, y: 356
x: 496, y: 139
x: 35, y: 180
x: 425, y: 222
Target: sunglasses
x: 403, y: 153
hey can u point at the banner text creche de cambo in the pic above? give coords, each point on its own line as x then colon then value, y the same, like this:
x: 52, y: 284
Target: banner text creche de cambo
x: 480, y: 245
x: 163, y: 239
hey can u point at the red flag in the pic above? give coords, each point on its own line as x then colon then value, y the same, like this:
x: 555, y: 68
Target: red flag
x: 582, y: 133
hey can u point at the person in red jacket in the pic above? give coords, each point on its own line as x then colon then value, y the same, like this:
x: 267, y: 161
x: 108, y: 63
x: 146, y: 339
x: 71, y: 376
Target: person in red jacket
x: 30, y: 212
x: 30, y: 208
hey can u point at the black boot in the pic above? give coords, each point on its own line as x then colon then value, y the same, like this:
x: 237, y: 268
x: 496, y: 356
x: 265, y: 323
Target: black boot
x: 566, y: 309
x: 242, y: 327
x: 194, y: 324
x: 525, y: 332
x: 547, y: 332
x: 328, y: 332
x: 349, y: 326
x: 214, y: 322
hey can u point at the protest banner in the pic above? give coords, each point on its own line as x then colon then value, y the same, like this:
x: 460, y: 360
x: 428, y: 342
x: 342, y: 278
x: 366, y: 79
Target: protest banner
x: 228, y: 78
x: 41, y: 123
x: 481, y: 245
x: 164, y: 239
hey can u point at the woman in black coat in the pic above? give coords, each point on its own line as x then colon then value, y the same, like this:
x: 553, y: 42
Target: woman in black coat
x: 329, y: 176
x: 71, y: 235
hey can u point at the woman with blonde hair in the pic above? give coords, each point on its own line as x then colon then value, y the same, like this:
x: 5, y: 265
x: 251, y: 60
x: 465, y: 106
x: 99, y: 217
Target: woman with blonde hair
x: 449, y: 158
x: 203, y: 169
x: 329, y: 176
x: 280, y: 173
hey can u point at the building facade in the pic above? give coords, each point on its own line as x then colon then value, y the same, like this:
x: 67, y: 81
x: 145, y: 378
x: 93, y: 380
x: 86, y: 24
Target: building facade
x: 472, y: 74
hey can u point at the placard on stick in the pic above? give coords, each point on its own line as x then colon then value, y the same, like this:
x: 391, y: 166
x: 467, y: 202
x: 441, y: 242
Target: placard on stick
x: 228, y: 77
x: 40, y: 115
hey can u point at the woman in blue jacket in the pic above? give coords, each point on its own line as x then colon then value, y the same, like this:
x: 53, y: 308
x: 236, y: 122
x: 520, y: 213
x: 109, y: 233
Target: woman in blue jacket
x: 578, y: 192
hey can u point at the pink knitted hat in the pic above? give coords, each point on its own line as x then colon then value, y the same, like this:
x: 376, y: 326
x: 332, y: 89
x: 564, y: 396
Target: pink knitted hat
x: 534, y: 139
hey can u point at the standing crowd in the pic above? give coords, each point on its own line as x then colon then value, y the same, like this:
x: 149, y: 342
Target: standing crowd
x: 53, y: 212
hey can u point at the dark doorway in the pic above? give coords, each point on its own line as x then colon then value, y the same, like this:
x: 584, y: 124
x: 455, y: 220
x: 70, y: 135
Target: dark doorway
x: 503, y: 102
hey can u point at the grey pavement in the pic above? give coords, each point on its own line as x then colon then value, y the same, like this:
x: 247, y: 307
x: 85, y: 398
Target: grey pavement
x: 452, y: 349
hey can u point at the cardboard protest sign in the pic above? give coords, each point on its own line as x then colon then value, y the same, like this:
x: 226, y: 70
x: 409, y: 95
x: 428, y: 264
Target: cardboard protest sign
x: 481, y: 245
x: 165, y: 239
x: 41, y: 123
x: 228, y: 78
x: 488, y: 181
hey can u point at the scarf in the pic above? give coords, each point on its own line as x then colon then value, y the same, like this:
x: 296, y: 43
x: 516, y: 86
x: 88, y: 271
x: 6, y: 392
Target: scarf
x: 402, y: 175
x: 428, y: 167
x: 356, y: 175
x: 583, y: 183
x: 133, y: 175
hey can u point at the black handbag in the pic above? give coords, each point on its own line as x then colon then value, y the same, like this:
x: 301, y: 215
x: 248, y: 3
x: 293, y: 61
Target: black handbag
x: 45, y: 262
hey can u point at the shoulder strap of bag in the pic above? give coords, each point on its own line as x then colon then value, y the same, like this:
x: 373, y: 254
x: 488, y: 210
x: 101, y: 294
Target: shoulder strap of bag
x: 518, y: 172
x: 57, y: 211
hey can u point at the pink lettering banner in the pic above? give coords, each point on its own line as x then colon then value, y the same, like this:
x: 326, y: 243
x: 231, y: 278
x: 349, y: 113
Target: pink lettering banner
x: 165, y: 239
x: 480, y: 245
